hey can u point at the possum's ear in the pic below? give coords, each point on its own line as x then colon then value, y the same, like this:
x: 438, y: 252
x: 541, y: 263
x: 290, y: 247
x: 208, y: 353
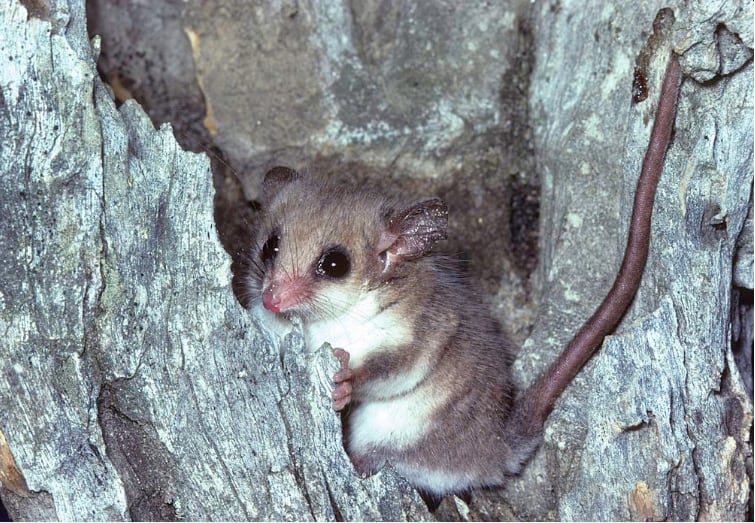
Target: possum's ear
x: 411, y: 232
x: 275, y: 179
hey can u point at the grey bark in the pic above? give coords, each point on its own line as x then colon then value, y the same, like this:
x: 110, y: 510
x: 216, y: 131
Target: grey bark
x: 657, y: 420
x: 134, y: 386
x: 660, y: 416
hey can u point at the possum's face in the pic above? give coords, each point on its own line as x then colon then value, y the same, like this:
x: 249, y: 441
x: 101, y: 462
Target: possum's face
x: 321, y: 249
x: 317, y: 256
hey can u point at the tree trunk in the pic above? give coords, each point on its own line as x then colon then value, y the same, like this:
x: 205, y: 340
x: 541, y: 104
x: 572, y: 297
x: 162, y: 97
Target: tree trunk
x: 134, y: 385
x: 658, y: 424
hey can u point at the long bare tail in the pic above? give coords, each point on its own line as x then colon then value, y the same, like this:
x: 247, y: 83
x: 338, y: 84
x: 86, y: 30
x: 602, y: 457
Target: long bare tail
x: 542, y: 395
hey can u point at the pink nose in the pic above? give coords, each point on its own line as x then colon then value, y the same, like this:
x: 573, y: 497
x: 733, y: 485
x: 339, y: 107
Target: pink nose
x: 285, y: 294
x: 271, y: 301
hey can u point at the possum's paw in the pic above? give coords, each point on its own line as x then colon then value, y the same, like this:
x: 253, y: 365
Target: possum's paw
x: 342, y: 378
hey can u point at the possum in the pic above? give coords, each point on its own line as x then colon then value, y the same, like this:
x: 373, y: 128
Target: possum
x: 425, y: 380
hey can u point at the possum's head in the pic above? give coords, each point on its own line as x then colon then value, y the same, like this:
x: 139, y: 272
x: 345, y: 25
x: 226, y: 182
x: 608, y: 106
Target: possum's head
x: 321, y: 247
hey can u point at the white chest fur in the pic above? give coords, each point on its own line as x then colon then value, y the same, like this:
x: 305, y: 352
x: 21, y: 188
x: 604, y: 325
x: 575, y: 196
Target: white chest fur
x: 360, y: 330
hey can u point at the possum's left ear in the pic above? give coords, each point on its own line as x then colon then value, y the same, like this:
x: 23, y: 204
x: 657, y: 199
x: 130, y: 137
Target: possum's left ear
x: 411, y: 232
x: 275, y: 179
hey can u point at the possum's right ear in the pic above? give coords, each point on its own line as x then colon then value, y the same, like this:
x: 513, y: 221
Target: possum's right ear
x: 277, y: 178
x: 411, y: 232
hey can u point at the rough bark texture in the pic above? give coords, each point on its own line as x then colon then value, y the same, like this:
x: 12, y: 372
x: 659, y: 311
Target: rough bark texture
x: 134, y: 386
x: 659, y: 420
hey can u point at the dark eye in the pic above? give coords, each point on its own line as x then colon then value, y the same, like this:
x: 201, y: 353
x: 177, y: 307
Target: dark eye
x: 334, y: 264
x: 270, y: 249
